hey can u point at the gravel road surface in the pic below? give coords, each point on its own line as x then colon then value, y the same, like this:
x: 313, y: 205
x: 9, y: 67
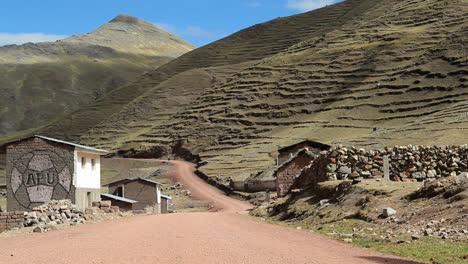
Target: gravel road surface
x: 225, y: 236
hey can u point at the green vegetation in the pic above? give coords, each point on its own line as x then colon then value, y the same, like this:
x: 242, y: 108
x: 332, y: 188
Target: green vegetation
x: 428, y: 250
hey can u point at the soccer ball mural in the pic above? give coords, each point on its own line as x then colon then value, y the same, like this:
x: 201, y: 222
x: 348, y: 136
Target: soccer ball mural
x: 40, y: 176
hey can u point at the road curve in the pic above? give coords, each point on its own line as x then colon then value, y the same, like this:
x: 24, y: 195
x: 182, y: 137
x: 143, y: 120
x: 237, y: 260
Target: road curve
x: 226, y: 236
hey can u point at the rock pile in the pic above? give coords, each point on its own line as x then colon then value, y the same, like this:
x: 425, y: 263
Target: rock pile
x: 406, y: 163
x: 102, y: 207
x: 54, y: 213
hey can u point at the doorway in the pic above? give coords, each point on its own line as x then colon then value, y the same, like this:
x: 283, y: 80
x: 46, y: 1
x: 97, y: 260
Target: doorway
x: 88, y: 200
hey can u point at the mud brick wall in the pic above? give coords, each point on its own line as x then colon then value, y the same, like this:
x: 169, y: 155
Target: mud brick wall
x: 314, y: 173
x: 9, y: 220
x: 287, y: 173
x: 38, y: 171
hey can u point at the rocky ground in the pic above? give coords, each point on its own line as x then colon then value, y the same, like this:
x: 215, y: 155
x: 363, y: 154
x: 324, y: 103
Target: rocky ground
x: 420, y: 220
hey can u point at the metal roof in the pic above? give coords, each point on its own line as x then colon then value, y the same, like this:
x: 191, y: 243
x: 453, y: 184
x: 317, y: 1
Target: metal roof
x: 60, y: 141
x: 72, y: 144
x: 166, y: 197
x: 133, y: 179
x: 118, y: 198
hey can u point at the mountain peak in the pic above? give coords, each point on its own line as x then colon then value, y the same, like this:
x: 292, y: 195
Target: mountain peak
x: 133, y: 35
x: 124, y: 18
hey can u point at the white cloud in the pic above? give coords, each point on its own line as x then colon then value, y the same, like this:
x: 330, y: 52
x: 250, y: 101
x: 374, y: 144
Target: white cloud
x: 165, y: 27
x: 21, y: 38
x: 307, y: 5
x: 198, y: 32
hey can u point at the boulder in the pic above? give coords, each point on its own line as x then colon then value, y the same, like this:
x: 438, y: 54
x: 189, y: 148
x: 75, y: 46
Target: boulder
x: 387, y: 212
x: 39, y: 229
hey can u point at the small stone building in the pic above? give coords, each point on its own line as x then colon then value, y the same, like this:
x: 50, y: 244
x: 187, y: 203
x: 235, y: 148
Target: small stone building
x: 145, y: 192
x: 286, y: 174
x: 286, y: 153
x: 40, y: 169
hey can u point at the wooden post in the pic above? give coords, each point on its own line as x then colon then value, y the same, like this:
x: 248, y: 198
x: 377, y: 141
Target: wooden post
x: 386, y: 168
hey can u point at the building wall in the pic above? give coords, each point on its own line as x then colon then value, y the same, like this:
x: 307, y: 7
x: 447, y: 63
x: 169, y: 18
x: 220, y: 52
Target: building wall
x: 145, y: 193
x: 254, y: 186
x: 87, y: 175
x: 286, y: 175
x: 9, y: 220
x: 85, y: 196
x: 38, y: 171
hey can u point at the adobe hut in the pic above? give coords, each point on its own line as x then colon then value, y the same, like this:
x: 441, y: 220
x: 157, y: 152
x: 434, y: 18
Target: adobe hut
x: 40, y: 169
x: 286, y: 174
x: 286, y: 153
x: 146, y: 193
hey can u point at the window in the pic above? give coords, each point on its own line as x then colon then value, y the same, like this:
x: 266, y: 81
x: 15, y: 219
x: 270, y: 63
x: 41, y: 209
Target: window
x: 93, y: 163
x: 83, y: 162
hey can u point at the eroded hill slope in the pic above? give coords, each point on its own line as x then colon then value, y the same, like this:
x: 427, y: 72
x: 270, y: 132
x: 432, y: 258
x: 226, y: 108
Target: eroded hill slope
x: 43, y: 81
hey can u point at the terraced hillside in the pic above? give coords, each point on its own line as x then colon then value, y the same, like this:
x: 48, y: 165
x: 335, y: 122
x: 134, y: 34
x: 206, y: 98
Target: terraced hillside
x: 43, y: 81
x: 366, y: 73
x: 163, y: 84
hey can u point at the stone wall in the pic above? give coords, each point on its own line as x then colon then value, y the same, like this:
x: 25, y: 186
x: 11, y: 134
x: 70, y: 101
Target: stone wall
x: 287, y: 173
x: 406, y: 163
x: 9, y: 220
x: 38, y: 171
x: 314, y: 173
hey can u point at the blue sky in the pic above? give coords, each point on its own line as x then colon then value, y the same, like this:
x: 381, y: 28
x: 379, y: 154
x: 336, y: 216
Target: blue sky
x: 197, y: 21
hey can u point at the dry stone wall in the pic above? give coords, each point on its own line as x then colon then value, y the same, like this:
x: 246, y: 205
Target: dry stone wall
x: 406, y: 163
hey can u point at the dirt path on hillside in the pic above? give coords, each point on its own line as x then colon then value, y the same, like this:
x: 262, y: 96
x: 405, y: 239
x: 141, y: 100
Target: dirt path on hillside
x: 226, y: 236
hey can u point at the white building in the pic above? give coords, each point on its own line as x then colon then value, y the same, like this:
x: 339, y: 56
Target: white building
x: 40, y: 169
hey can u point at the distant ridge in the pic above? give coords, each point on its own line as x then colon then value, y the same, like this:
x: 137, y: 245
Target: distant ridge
x: 132, y: 35
x: 40, y: 82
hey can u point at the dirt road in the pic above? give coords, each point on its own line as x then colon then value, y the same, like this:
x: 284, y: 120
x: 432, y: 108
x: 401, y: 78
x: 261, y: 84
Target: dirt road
x: 226, y: 236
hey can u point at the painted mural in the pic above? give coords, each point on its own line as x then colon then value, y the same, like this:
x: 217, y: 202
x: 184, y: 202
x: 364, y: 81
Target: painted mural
x: 40, y: 176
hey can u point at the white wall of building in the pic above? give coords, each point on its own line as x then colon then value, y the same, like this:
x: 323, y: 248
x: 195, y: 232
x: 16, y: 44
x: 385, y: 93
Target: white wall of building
x: 87, y: 175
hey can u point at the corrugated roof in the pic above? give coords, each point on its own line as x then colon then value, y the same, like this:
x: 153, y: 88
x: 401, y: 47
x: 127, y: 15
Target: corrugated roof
x: 118, y: 198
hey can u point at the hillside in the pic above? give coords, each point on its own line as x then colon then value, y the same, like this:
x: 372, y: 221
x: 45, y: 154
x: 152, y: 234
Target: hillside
x: 43, y: 81
x: 361, y: 72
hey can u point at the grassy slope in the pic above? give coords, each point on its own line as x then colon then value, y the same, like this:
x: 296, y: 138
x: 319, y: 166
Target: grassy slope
x: 399, y: 66
x: 36, y: 93
x: 252, y: 43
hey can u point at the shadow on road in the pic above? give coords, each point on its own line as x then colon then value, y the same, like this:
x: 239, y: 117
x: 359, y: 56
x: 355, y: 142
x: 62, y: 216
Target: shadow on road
x: 389, y: 260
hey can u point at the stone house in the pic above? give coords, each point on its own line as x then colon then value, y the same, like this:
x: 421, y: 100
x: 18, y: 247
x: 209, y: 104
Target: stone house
x: 144, y: 192
x: 286, y: 153
x: 40, y: 169
x: 287, y: 173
